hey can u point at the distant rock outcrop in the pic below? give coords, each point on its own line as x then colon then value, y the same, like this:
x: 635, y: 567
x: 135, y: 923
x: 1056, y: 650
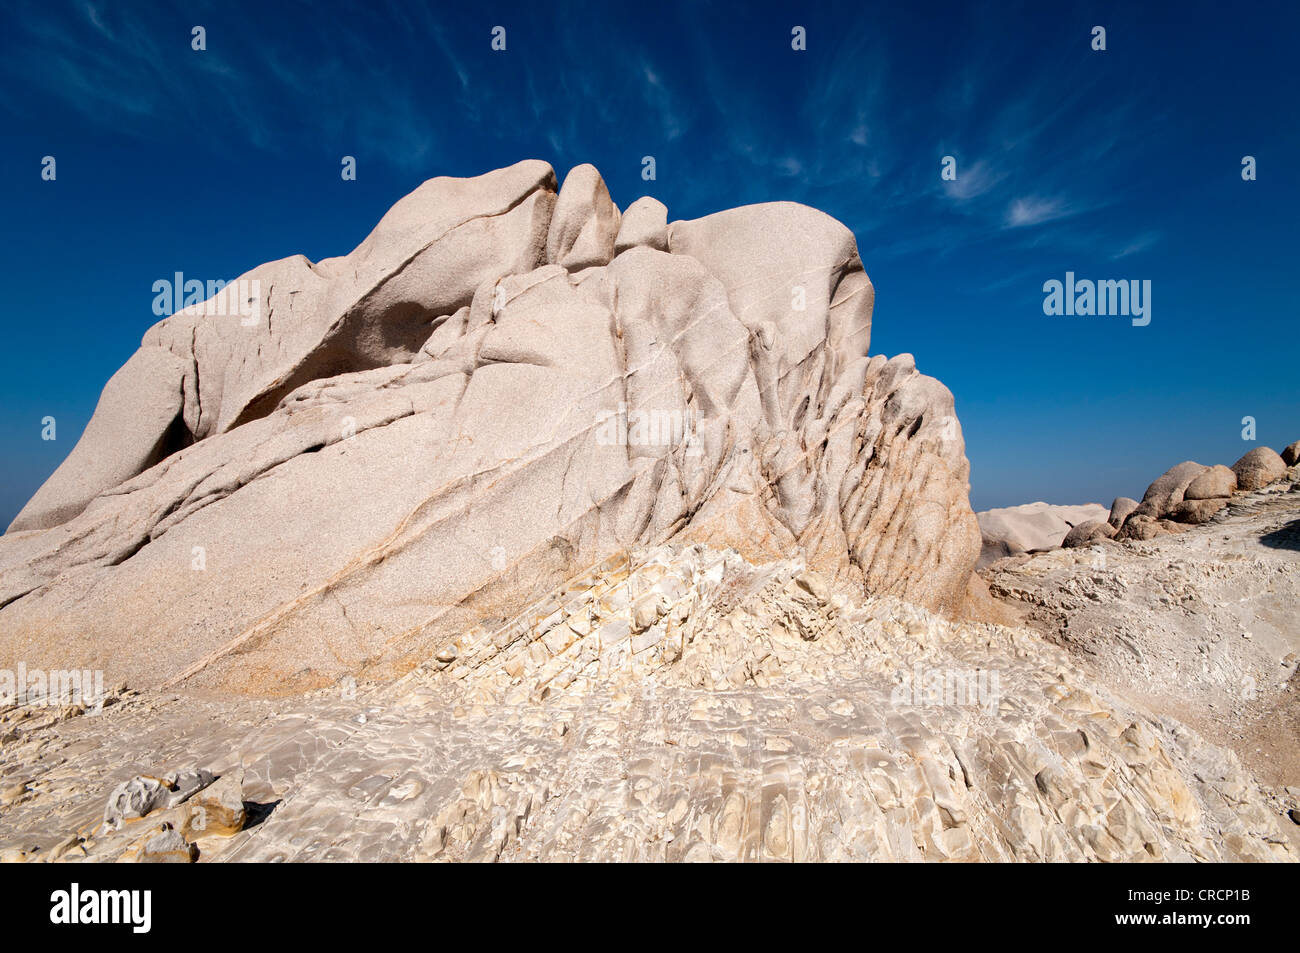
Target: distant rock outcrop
x: 1168, y: 489
x: 501, y: 385
x: 1031, y: 527
x: 1184, y: 495
x: 1191, y: 493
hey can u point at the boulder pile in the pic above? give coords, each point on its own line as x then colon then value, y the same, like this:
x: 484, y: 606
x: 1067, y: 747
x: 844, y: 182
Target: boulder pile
x: 1185, y: 495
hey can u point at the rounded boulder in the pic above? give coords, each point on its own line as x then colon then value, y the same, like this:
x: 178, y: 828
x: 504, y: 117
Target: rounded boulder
x: 1218, y: 481
x: 1257, y: 468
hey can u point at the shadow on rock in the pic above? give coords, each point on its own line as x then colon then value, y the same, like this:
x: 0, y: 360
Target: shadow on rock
x: 1284, y: 537
x: 257, y: 813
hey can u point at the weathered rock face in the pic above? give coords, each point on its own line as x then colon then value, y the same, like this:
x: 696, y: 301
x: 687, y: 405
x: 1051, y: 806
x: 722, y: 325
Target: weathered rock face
x: 139, y: 416
x: 497, y: 388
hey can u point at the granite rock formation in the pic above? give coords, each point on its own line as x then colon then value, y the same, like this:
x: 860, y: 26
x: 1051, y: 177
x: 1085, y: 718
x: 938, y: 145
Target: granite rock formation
x: 330, y: 466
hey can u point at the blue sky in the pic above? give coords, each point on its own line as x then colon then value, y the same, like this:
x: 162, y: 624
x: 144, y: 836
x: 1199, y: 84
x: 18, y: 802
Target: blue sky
x: 1122, y: 164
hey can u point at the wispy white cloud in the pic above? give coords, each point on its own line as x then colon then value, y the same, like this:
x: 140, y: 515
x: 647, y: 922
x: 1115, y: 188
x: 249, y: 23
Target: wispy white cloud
x: 1137, y: 245
x: 663, y: 102
x: 96, y: 20
x: 117, y: 67
x: 1035, y: 210
x: 850, y: 127
x: 789, y: 166
x: 974, y: 180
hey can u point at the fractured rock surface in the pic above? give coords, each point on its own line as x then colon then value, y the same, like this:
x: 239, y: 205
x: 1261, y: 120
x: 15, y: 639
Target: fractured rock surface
x: 675, y: 704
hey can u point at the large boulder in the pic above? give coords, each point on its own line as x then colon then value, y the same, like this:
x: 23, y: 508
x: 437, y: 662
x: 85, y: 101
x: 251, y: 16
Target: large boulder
x: 1258, y: 468
x: 1140, y: 526
x: 1197, y: 511
x: 1291, y: 455
x: 1218, y: 481
x: 644, y: 223
x: 1121, y: 509
x: 1167, y: 490
x: 585, y: 224
x: 479, y: 402
x: 1088, y: 532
